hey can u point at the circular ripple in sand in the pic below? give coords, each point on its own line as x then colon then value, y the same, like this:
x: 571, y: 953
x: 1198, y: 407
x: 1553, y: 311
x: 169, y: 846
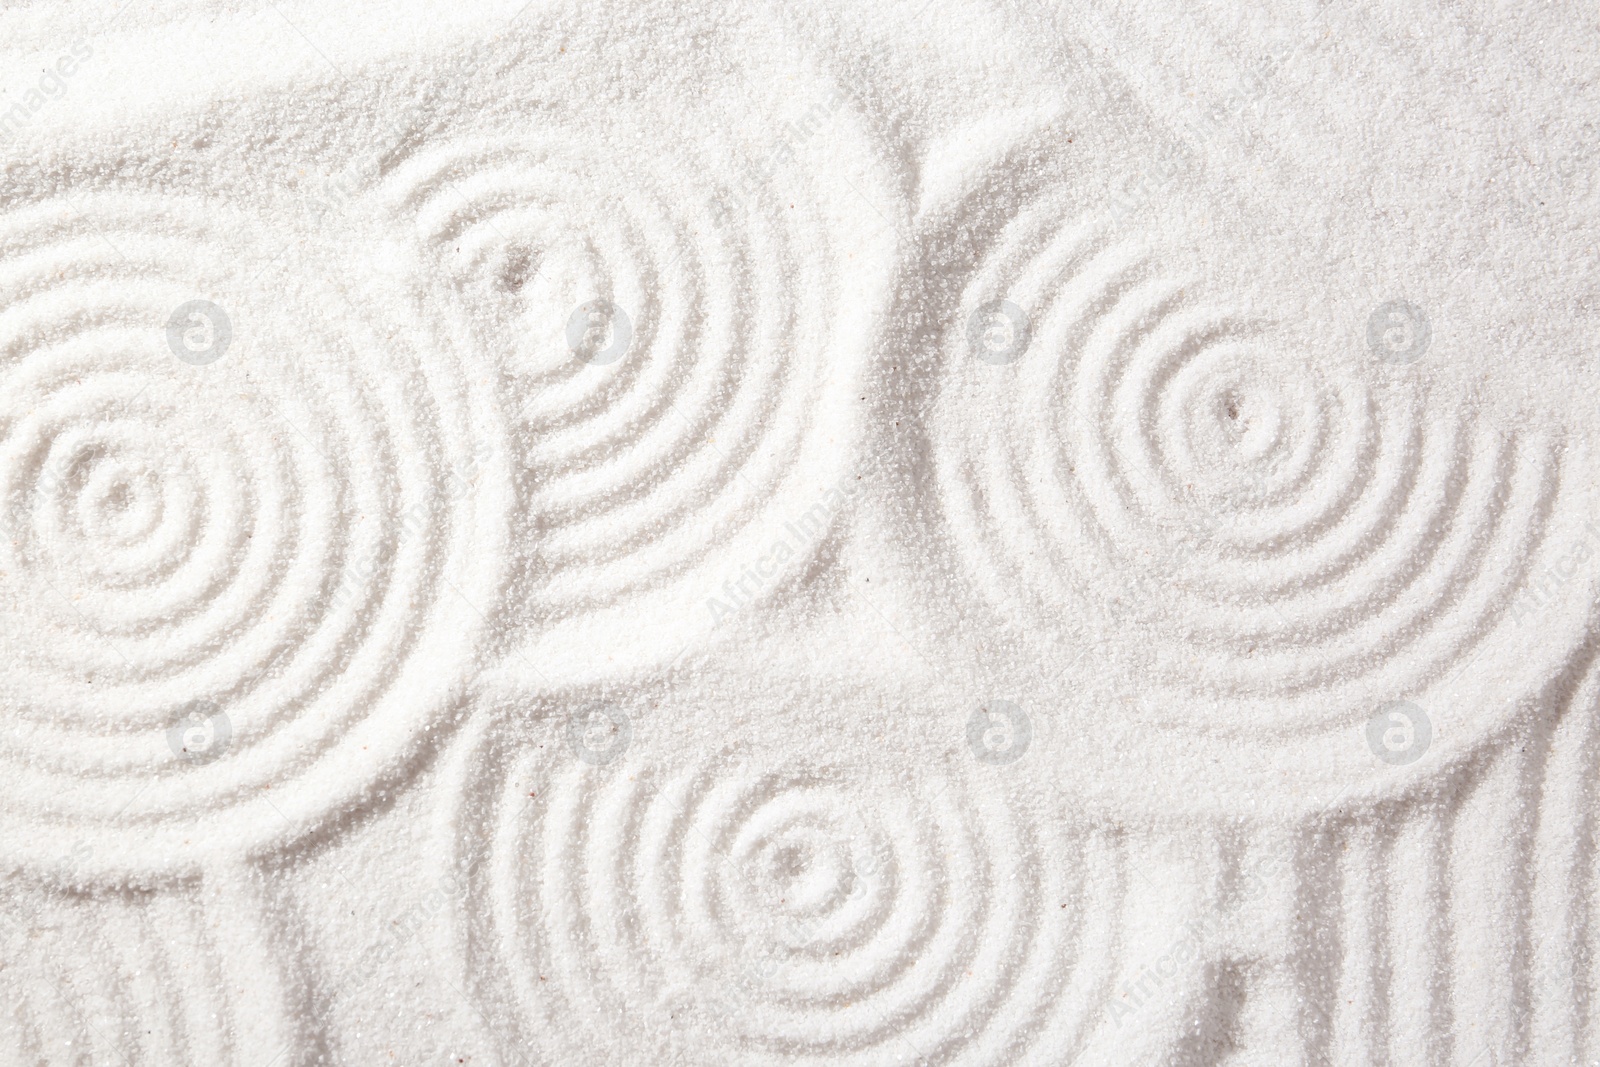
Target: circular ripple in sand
x: 218, y: 579
x: 1279, y: 526
x: 782, y: 915
x: 671, y: 344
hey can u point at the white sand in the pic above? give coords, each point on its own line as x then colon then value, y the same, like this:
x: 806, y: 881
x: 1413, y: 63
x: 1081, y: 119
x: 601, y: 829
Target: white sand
x: 607, y: 533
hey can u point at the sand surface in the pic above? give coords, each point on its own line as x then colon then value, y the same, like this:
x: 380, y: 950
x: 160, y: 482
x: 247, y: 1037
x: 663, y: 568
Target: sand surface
x: 927, y: 532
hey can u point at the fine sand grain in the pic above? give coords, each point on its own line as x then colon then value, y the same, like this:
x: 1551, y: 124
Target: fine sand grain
x: 919, y: 533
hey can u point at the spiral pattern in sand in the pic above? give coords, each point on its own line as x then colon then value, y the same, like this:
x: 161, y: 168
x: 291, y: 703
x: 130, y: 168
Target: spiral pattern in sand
x: 247, y: 554
x: 1308, y: 526
x: 675, y: 391
x: 787, y: 916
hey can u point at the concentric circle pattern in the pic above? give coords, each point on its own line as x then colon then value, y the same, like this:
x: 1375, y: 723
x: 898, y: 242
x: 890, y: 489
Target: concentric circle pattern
x: 1310, y: 525
x: 788, y: 915
x: 672, y: 384
x: 215, y: 579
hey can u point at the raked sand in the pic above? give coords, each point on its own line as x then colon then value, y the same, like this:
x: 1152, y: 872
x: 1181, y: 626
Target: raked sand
x: 928, y: 533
